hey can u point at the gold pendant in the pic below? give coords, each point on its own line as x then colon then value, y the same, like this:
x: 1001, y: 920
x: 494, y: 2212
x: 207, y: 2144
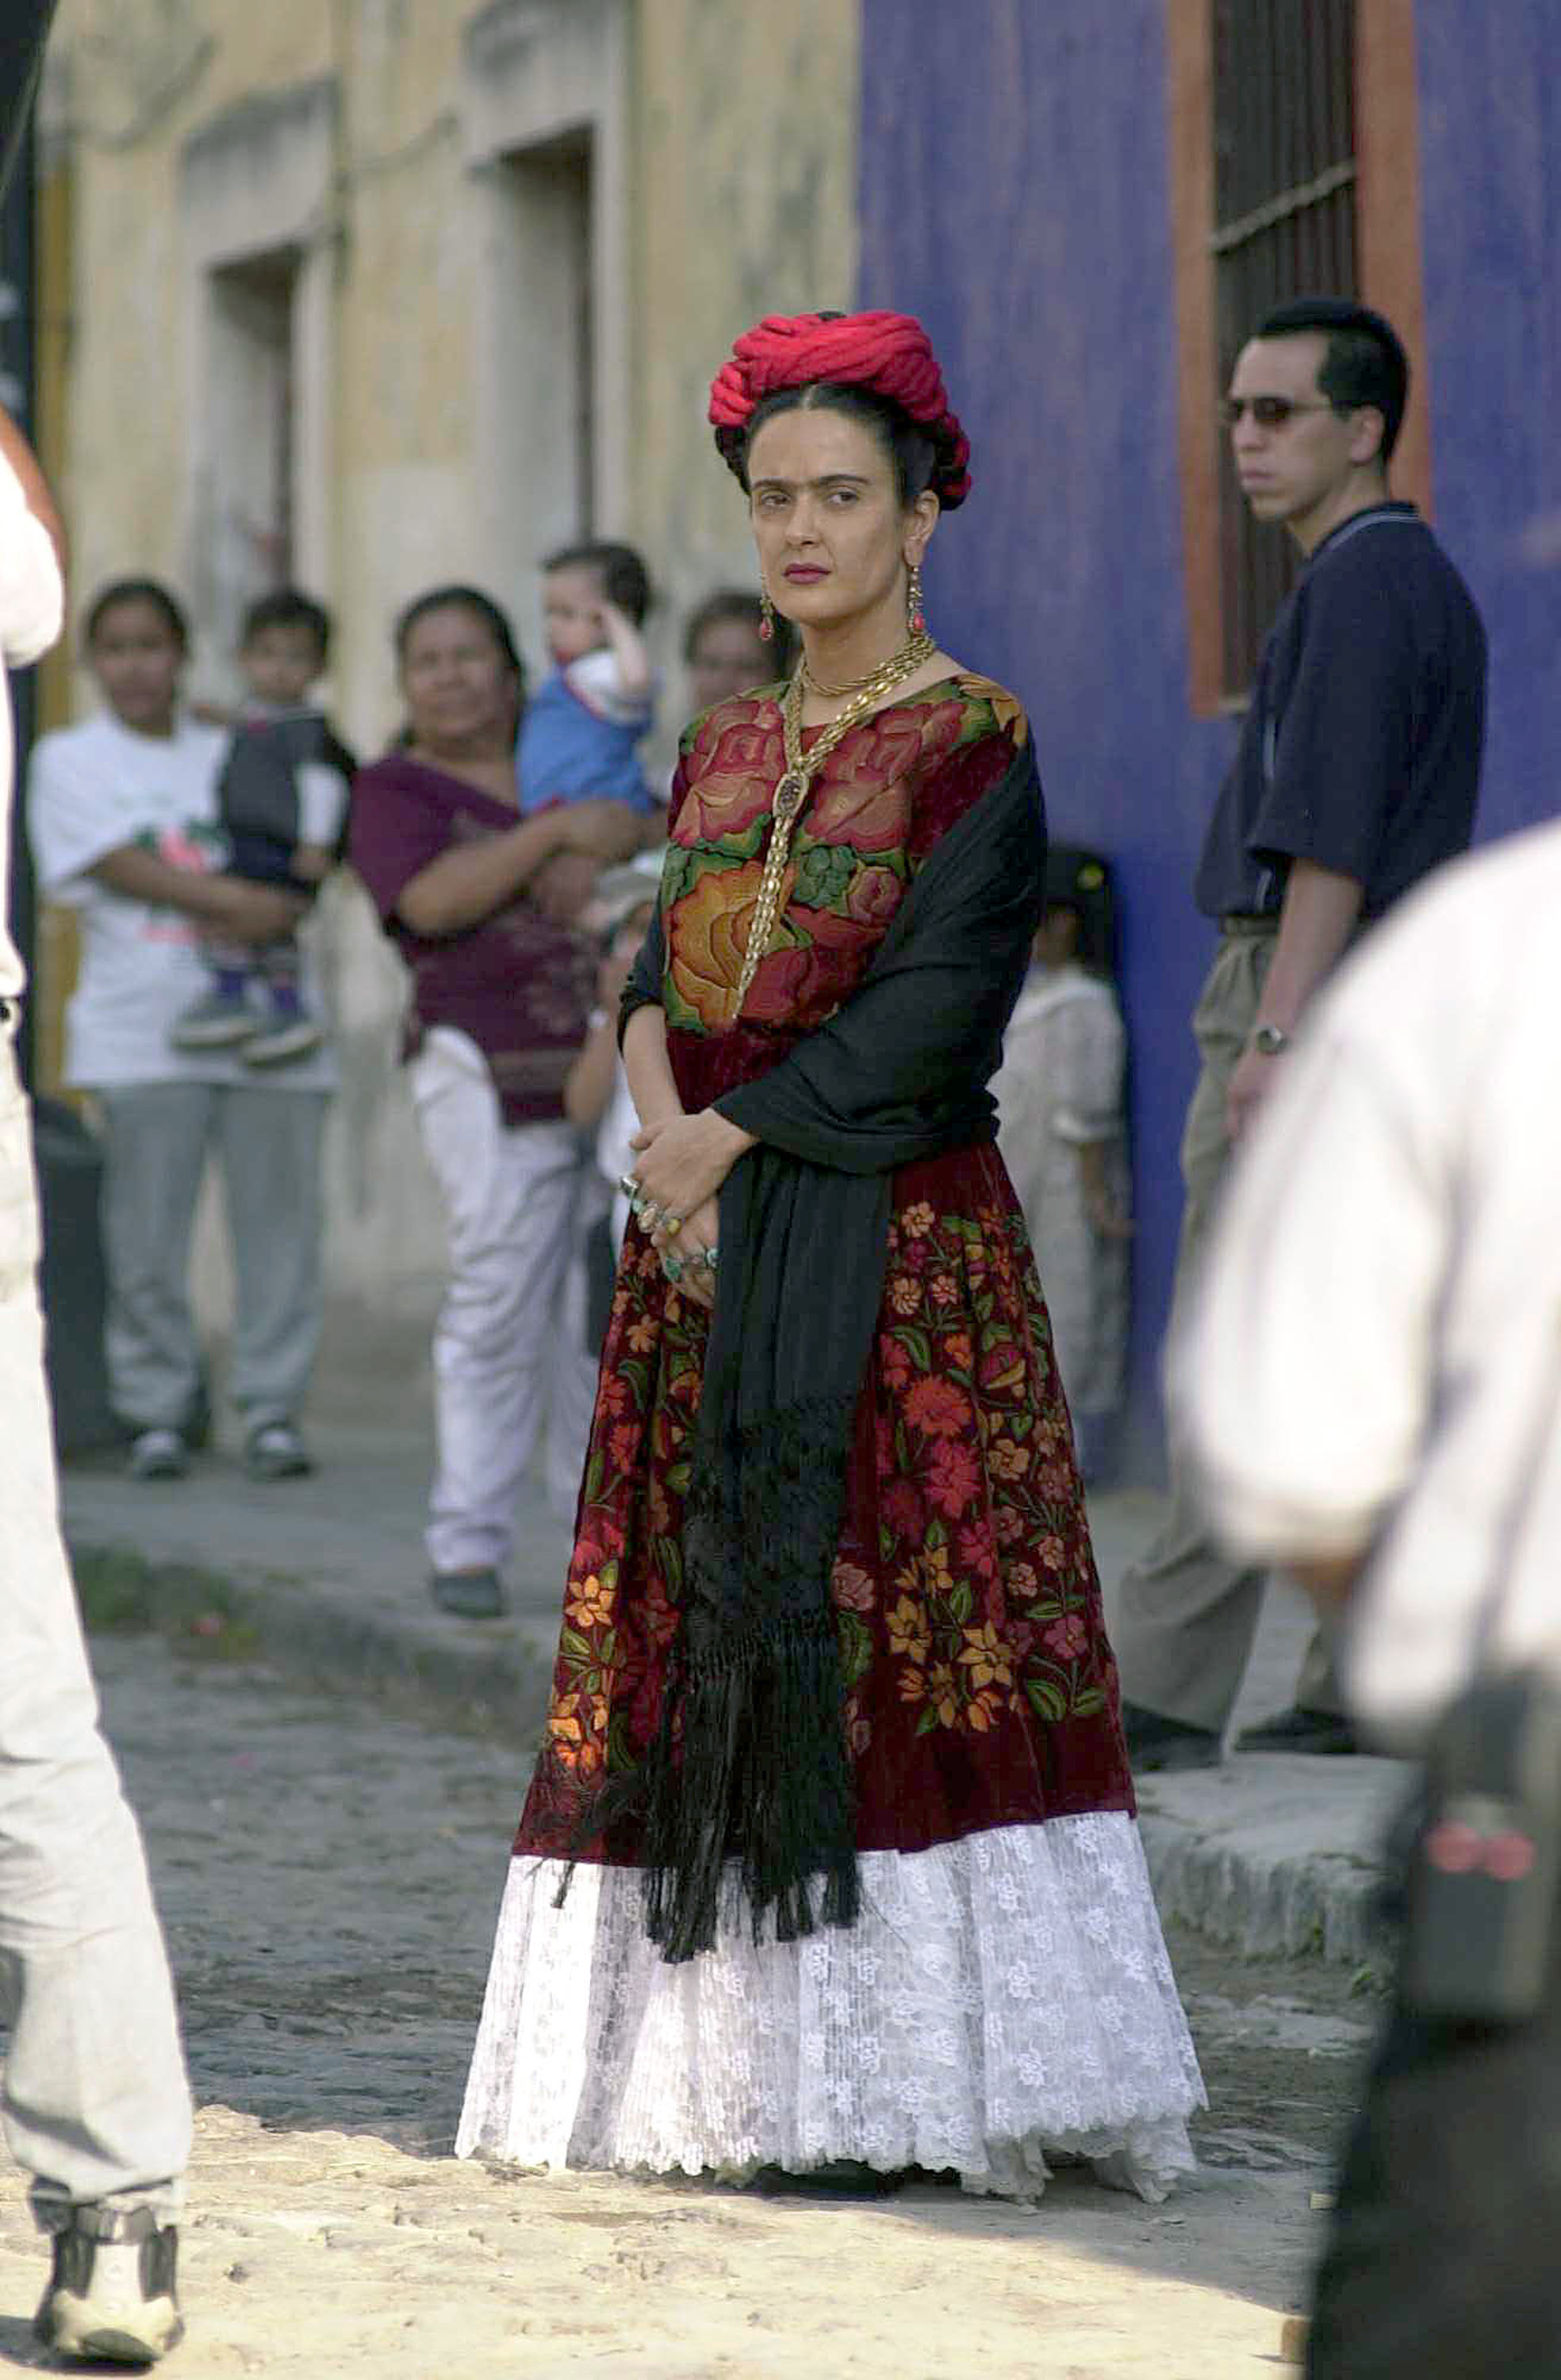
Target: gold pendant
x: 789, y: 793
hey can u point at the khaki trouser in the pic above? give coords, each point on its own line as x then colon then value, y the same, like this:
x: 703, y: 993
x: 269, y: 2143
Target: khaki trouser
x: 1186, y: 1615
x: 94, y: 2102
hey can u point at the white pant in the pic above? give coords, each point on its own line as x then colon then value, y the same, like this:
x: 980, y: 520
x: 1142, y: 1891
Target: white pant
x: 94, y: 2100
x: 510, y: 1344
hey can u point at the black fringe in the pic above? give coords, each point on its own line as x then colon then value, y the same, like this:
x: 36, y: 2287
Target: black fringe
x: 748, y: 1790
x: 750, y: 1769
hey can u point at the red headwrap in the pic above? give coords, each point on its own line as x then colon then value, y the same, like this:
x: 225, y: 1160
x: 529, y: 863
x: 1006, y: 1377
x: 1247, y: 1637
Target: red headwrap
x: 887, y: 353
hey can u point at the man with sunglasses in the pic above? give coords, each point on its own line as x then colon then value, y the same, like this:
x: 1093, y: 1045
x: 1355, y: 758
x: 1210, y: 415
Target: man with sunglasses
x: 1356, y: 774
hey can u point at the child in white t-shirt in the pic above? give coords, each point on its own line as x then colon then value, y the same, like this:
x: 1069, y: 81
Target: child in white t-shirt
x: 580, y: 736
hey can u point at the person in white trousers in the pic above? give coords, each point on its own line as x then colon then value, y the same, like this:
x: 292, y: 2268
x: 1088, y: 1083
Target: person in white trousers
x: 95, y: 2101
x: 484, y: 905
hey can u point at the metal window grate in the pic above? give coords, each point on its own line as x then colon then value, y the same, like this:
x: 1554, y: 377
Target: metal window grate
x: 1284, y: 134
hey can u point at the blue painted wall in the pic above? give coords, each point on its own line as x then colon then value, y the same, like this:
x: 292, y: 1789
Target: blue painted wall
x: 1490, y: 163
x: 1015, y: 193
x: 1013, y: 185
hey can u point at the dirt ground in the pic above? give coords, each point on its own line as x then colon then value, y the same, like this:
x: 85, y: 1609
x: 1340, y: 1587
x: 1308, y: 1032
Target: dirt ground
x: 329, y: 1877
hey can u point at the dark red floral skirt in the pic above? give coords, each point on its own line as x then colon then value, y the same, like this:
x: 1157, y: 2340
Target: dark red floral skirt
x: 981, y: 1688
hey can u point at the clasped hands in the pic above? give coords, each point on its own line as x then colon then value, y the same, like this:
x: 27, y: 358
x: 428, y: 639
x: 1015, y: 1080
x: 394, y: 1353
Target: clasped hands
x: 680, y: 1164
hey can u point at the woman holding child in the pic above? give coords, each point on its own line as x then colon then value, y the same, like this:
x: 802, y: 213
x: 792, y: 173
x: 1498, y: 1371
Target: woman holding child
x: 481, y: 902
x: 125, y: 816
x: 828, y: 1865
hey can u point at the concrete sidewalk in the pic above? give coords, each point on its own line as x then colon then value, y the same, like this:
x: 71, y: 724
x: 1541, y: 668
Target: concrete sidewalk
x: 1272, y: 1854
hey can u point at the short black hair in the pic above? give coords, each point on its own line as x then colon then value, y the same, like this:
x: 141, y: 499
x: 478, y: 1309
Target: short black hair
x: 287, y: 607
x: 734, y: 603
x: 139, y: 590
x: 912, y: 450
x: 746, y: 609
x: 1364, y: 364
x: 460, y: 597
x: 624, y: 577
x: 1080, y: 880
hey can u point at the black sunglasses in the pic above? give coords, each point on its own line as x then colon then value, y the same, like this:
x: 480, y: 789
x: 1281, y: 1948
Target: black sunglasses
x: 1270, y: 412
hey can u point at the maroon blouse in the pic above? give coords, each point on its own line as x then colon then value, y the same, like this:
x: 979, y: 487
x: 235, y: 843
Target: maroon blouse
x: 520, y: 985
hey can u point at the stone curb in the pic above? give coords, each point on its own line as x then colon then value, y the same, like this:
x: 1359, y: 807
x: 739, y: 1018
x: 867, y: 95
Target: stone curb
x: 493, y: 1680
x: 1323, y: 1906
x: 1274, y: 1858
x: 1278, y: 1857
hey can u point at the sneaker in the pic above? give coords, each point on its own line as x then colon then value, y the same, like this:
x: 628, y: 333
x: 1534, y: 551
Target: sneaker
x: 222, y: 1021
x: 1155, y: 1742
x: 469, y: 1593
x: 284, y: 1040
x: 1299, y: 1729
x: 274, y: 1450
x: 111, y: 2298
x: 158, y: 1454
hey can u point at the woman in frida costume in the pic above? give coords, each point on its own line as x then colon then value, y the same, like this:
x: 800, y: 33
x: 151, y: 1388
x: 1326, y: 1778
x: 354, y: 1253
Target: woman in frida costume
x: 828, y: 1862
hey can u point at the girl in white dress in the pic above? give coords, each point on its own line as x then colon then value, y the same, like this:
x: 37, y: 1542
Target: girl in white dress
x: 1062, y: 1131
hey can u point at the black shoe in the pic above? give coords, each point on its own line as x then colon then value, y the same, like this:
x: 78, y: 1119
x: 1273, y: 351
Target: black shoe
x: 843, y: 2178
x: 469, y: 1593
x: 1155, y: 1742
x: 1299, y: 1731
x: 111, y: 2298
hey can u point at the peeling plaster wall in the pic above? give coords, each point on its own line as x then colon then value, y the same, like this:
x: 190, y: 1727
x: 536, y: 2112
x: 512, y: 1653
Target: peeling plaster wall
x: 746, y: 144
x: 726, y: 179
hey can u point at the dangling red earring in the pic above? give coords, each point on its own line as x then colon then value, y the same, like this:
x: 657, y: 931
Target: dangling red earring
x: 767, y: 617
x: 913, y: 601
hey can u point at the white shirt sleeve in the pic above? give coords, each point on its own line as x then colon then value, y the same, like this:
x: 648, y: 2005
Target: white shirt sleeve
x: 73, y: 816
x: 322, y: 802
x: 598, y: 681
x: 615, y: 1153
x: 31, y: 586
x: 1300, y: 1381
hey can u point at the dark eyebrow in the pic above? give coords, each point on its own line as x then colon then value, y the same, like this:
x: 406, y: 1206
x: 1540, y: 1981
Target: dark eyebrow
x: 829, y: 480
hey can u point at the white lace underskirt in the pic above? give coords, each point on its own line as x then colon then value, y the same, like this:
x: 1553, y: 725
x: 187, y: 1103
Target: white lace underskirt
x: 1001, y: 2000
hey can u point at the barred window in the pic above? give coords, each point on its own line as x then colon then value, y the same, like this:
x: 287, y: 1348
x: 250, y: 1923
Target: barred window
x: 1283, y: 106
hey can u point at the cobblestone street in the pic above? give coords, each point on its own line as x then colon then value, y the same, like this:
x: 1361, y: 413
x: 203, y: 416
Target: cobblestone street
x: 329, y: 1875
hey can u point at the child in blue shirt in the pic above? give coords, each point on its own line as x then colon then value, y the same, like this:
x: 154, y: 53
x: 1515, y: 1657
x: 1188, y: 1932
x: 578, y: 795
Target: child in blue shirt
x: 578, y: 739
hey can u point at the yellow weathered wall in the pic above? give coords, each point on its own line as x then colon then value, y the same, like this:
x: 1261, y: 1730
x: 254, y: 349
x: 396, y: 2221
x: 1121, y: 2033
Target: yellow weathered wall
x: 745, y: 169
x: 736, y: 173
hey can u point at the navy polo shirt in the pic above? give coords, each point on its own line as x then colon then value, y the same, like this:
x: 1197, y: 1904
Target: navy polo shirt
x: 1360, y: 747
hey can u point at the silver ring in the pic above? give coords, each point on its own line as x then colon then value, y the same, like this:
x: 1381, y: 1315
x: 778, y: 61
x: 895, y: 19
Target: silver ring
x: 708, y: 1258
x: 629, y: 1186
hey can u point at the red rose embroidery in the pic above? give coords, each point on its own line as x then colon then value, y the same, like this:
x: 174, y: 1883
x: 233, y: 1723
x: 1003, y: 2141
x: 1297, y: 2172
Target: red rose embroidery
x: 953, y: 1477
x: 938, y: 1408
x: 875, y: 894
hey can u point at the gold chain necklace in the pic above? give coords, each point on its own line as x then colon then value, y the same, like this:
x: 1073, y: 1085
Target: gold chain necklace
x: 921, y: 643
x: 795, y: 785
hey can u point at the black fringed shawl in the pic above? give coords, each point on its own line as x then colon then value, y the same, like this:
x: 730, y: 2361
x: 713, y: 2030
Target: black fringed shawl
x: 750, y: 1764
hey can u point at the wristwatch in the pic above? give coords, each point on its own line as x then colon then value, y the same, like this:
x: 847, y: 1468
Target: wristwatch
x: 1270, y: 1040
